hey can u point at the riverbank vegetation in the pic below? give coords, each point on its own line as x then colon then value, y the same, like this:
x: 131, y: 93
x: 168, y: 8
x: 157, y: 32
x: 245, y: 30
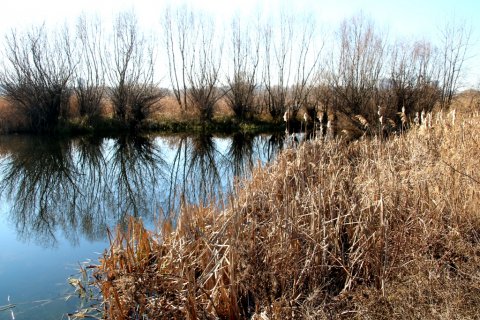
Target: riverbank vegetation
x: 186, y: 73
x: 384, y: 228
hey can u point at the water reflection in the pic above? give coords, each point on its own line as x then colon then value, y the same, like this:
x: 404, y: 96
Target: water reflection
x: 273, y: 145
x: 38, y: 176
x: 136, y: 169
x: 241, y: 153
x: 195, y: 176
x: 79, y: 187
x: 92, y: 166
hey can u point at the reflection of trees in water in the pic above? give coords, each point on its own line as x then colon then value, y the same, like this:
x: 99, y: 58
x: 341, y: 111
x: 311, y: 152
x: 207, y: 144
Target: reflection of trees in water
x: 136, y: 168
x: 240, y: 153
x: 81, y: 186
x: 38, y: 177
x: 92, y: 166
x: 177, y: 174
x: 195, y: 177
x: 70, y: 185
x: 203, y: 177
x: 272, y: 145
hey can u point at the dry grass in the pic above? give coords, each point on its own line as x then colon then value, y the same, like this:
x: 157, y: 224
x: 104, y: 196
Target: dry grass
x: 10, y: 119
x: 373, y: 229
x: 168, y: 109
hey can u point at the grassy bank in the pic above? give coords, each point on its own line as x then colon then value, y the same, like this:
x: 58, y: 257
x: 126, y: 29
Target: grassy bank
x: 166, y: 119
x: 372, y: 229
x: 228, y: 125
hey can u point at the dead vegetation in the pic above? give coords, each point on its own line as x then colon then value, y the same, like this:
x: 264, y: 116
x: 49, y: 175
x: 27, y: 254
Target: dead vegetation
x: 380, y: 228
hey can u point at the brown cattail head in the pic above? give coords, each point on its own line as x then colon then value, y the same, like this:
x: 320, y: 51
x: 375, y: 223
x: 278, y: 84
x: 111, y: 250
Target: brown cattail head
x: 453, y: 114
x: 363, y: 121
x: 403, y: 116
x: 416, y: 120
x: 320, y: 115
x: 382, y: 111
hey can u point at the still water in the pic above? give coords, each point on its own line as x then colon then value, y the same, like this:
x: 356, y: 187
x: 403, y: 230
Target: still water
x: 58, y: 197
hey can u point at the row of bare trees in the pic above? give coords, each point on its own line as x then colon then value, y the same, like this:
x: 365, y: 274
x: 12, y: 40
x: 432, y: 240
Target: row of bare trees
x: 45, y: 72
x: 274, y: 67
x: 371, y: 77
x: 283, y: 66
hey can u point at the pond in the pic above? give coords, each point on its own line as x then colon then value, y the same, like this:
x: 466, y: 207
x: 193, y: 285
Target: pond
x: 59, y: 196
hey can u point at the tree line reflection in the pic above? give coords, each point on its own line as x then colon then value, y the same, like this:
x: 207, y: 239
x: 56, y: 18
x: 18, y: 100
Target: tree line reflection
x: 76, y: 188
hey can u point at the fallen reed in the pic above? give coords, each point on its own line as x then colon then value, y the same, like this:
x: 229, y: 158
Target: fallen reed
x: 375, y: 228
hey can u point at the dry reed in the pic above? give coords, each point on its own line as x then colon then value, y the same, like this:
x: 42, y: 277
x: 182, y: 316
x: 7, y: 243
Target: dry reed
x: 376, y: 228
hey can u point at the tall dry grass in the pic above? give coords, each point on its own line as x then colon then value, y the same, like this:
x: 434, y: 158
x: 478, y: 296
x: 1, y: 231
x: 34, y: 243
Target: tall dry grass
x: 372, y: 229
x: 10, y: 119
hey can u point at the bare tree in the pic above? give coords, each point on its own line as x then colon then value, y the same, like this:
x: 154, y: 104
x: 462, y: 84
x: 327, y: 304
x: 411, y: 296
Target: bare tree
x: 195, y: 56
x: 204, y: 72
x: 455, y: 42
x: 357, y: 68
x: 400, y: 87
x: 306, y: 67
x: 90, y: 73
x: 178, y: 44
x: 245, y: 53
x: 427, y: 87
x: 133, y: 90
x: 277, y: 62
x: 411, y: 86
x: 36, y: 74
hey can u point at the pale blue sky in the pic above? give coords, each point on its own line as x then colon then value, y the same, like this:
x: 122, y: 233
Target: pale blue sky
x: 407, y: 18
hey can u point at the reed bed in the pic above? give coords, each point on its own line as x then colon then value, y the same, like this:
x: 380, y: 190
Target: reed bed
x: 376, y: 228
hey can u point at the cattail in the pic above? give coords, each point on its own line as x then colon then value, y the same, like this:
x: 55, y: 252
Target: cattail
x: 381, y: 111
x: 391, y: 123
x: 329, y: 130
x: 347, y: 134
x: 320, y: 115
x: 416, y: 120
x: 453, y: 113
x: 439, y: 117
x: 429, y: 120
x: 363, y: 121
x: 403, y: 117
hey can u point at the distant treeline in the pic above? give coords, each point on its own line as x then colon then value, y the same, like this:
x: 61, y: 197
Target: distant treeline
x: 282, y: 68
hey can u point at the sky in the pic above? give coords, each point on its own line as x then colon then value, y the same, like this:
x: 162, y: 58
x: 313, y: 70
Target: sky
x: 409, y: 19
